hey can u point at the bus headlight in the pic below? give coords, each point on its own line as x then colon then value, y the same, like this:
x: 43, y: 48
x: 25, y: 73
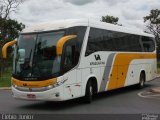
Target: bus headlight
x: 56, y: 84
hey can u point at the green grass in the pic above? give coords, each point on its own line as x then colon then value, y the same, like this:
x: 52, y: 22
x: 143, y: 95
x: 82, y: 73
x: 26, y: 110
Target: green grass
x: 5, y: 78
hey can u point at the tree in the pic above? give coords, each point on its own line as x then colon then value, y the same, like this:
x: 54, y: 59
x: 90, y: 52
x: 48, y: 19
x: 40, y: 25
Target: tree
x: 9, y: 28
x: 110, y: 19
x: 153, y: 23
x: 8, y: 6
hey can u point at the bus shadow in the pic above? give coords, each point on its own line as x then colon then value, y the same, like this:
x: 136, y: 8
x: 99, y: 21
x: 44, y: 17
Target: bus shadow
x: 121, y: 91
x: 51, y: 105
x: 56, y: 106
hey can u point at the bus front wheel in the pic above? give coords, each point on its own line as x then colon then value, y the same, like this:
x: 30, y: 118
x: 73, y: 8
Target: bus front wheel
x: 89, y: 92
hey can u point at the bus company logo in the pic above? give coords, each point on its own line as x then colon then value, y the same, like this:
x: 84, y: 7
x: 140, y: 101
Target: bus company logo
x: 98, y: 60
x: 97, y: 57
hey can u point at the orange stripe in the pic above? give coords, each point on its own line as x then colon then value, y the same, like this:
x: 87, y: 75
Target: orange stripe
x: 34, y: 84
x: 120, y: 68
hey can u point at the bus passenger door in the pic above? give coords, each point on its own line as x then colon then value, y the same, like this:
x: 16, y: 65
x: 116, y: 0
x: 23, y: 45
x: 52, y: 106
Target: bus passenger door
x: 71, y: 87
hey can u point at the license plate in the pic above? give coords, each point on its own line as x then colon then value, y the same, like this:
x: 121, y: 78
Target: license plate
x: 32, y: 96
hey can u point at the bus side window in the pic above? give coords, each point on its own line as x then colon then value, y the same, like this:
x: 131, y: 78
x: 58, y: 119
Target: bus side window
x: 69, y: 57
x: 148, y: 44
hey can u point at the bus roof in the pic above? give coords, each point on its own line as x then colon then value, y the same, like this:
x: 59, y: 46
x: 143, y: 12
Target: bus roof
x: 62, y: 24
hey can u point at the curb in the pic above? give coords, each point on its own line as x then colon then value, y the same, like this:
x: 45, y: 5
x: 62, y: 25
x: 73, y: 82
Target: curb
x: 155, y: 90
x: 5, y: 88
x: 158, y: 76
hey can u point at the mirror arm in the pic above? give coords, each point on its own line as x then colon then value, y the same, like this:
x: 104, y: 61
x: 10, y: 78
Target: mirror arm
x: 61, y: 43
x: 4, y: 49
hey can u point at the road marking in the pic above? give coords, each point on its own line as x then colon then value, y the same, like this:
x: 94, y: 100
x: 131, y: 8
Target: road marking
x: 145, y: 94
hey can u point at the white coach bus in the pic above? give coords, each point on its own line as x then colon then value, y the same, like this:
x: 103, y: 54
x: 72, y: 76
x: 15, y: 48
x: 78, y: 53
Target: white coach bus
x: 74, y: 58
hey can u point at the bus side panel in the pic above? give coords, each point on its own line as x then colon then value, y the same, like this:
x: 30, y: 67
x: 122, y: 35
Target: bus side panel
x: 85, y: 76
x: 72, y: 86
x: 88, y: 73
x: 133, y: 74
x: 100, y: 69
x: 154, y: 68
x: 137, y: 62
x: 135, y: 68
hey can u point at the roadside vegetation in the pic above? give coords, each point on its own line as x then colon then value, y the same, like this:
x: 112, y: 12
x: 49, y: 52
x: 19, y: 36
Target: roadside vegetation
x: 5, y: 78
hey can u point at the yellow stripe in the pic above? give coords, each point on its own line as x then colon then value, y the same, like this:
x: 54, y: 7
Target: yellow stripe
x: 4, y: 49
x: 34, y: 84
x: 120, y: 68
x: 61, y: 43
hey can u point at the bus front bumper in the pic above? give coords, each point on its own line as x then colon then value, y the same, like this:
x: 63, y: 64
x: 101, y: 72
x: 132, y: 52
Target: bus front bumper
x: 54, y: 94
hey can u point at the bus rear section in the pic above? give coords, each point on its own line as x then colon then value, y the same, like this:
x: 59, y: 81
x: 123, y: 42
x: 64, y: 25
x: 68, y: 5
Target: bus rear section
x: 116, y: 59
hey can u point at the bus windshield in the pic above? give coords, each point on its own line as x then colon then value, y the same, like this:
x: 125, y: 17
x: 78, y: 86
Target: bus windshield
x: 36, y: 55
x: 36, y: 58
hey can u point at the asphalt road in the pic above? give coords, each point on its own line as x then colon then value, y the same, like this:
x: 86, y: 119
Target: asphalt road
x: 121, y: 101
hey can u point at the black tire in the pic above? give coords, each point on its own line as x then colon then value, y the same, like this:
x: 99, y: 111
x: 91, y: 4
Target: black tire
x: 141, y: 81
x: 89, y: 92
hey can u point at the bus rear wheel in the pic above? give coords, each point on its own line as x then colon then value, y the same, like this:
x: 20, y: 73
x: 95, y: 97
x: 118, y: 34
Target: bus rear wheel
x: 89, y: 92
x: 141, y: 80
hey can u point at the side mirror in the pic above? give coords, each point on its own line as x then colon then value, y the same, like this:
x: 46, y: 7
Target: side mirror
x: 21, y: 56
x: 4, y: 49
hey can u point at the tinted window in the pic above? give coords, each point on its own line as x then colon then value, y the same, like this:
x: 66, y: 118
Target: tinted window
x: 72, y: 49
x: 104, y: 40
x: 69, y: 56
x: 148, y: 44
x: 80, y: 32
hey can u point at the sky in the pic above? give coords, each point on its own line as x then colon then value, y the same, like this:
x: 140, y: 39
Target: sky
x: 130, y: 12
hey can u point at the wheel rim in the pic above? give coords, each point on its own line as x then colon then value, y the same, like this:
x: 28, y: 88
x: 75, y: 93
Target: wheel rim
x: 142, y: 82
x: 91, y: 91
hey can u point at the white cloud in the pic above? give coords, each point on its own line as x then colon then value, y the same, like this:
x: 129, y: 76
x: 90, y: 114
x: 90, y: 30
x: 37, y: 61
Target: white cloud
x: 130, y: 12
x: 79, y: 2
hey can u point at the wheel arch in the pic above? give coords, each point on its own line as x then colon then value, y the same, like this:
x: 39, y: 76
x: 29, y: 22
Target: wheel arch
x: 93, y: 79
x: 144, y: 73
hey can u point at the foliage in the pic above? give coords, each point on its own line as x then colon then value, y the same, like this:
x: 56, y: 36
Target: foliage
x: 153, y: 23
x: 5, y: 78
x: 8, y: 6
x: 110, y: 19
x: 9, y: 29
